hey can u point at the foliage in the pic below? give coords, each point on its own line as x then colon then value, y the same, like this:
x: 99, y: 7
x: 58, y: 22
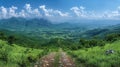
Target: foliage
x: 112, y: 37
x: 20, y: 49
x: 91, y: 42
x: 96, y: 56
x: 18, y: 55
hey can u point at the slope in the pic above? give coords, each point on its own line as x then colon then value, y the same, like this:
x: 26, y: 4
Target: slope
x: 15, y: 56
x: 98, y: 56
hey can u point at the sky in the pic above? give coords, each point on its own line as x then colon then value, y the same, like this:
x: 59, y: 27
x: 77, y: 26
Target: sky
x: 61, y: 10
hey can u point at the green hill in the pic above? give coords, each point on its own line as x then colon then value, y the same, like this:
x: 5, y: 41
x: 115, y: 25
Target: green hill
x: 15, y: 56
x: 97, y: 57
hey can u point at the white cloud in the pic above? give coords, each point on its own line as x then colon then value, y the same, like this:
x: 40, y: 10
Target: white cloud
x: 28, y: 12
x: 61, y: 14
x: 82, y: 13
x: 3, y: 12
x: 115, y: 14
x: 28, y: 7
x: 118, y: 8
x: 36, y: 12
x: 46, y: 11
x: 12, y: 11
x: 22, y: 13
x: 79, y: 11
x: 52, y: 12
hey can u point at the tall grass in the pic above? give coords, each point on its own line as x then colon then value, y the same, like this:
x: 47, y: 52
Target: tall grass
x: 15, y: 55
x: 97, y: 57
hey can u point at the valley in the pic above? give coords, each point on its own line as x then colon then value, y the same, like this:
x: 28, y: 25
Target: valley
x: 41, y: 43
x: 59, y: 33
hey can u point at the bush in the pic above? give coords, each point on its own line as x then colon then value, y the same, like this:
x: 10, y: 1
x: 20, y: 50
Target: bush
x: 91, y: 43
x: 11, y: 39
x: 2, y: 36
x: 112, y: 37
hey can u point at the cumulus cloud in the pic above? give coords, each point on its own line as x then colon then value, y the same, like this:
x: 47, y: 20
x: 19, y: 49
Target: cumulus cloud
x: 22, y: 13
x: 61, y: 13
x: 28, y: 7
x: 30, y: 12
x: 46, y: 11
x: 115, y: 14
x: 12, y: 11
x: 79, y: 11
x: 82, y: 13
x: 3, y: 12
x: 52, y: 12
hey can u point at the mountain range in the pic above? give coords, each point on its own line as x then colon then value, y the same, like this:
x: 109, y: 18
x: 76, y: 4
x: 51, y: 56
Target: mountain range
x: 47, y: 29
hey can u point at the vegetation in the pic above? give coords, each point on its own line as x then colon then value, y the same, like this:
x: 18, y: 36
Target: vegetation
x: 17, y: 56
x: 112, y: 37
x: 97, y: 57
x: 22, y: 48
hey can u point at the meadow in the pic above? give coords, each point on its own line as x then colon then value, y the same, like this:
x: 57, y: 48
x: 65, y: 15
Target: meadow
x: 15, y: 56
x: 97, y: 56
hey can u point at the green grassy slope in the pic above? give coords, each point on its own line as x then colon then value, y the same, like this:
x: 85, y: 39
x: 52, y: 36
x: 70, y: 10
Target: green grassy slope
x: 14, y: 55
x: 97, y: 57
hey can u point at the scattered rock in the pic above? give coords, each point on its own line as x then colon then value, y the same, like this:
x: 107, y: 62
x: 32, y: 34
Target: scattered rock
x: 109, y: 51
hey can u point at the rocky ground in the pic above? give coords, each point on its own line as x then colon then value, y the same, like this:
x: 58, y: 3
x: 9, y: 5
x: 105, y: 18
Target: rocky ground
x: 55, y: 59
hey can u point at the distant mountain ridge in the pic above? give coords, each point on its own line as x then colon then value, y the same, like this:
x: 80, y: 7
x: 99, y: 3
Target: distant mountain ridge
x: 45, y: 28
x: 22, y: 22
x: 102, y: 31
x: 41, y: 22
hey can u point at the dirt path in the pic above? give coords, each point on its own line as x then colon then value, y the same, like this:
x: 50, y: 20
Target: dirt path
x: 66, y: 61
x: 46, y: 61
x: 55, y: 59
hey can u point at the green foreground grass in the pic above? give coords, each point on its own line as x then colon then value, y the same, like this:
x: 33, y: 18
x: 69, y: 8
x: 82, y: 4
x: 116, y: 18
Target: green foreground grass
x: 17, y: 56
x: 97, y: 57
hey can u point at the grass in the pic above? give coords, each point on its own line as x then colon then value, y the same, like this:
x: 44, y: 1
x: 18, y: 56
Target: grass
x: 96, y: 56
x: 14, y: 55
x: 56, y: 62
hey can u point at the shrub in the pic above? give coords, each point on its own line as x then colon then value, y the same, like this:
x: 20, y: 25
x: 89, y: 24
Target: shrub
x: 91, y: 43
x: 11, y: 39
x: 112, y: 37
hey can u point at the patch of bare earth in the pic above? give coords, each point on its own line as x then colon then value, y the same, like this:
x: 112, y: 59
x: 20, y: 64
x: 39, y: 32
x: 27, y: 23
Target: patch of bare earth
x: 50, y: 60
x: 46, y: 61
x: 66, y: 61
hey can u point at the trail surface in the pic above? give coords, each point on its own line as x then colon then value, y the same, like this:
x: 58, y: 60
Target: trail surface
x: 55, y: 59
x: 66, y: 61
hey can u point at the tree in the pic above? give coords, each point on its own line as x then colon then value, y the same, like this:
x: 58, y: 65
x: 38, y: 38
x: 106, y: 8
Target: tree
x: 91, y: 42
x: 2, y: 36
x: 112, y: 37
x: 82, y: 41
x: 11, y: 39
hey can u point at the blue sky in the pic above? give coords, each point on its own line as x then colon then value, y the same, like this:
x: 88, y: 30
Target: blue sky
x: 64, y: 9
x: 97, y: 5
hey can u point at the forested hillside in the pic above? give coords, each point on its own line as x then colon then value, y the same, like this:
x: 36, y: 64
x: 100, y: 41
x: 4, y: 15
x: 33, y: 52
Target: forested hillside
x: 19, y: 50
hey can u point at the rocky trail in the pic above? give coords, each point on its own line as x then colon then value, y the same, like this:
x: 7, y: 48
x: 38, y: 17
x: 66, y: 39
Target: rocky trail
x: 66, y: 61
x: 55, y: 59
